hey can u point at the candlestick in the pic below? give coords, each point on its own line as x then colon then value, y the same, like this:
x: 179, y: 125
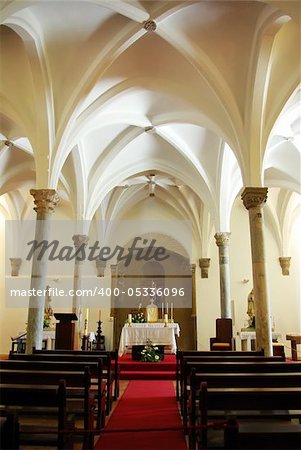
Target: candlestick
x: 86, y: 328
x: 100, y: 339
x: 165, y: 320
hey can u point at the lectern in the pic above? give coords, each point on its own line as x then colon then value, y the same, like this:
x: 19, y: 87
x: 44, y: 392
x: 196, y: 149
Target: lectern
x: 64, y: 331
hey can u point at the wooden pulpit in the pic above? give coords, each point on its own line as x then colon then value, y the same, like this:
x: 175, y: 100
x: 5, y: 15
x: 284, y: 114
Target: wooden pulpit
x: 64, y: 331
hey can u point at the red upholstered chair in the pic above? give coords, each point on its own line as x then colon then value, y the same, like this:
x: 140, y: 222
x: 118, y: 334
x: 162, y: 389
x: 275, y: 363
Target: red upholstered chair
x: 224, y: 339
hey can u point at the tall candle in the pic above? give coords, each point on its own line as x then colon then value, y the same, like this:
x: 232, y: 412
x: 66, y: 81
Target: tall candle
x: 99, y: 314
x: 87, y: 314
x: 171, y: 311
x: 162, y: 311
x: 165, y: 318
x: 167, y: 309
x: 130, y: 318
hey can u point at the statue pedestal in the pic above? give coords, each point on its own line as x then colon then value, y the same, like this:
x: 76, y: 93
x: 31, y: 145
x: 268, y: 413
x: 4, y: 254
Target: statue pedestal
x: 248, y: 338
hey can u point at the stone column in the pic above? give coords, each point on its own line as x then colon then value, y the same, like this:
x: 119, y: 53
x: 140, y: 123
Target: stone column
x: 100, y: 267
x: 45, y: 201
x: 114, y: 283
x: 204, y: 264
x: 15, y: 266
x: 193, y: 309
x: 222, y: 241
x: 80, y: 242
x: 253, y: 199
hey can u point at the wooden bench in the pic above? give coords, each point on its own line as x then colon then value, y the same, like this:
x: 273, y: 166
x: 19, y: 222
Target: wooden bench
x: 262, y: 435
x: 112, y: 354
x: 9, y: 431
x: 195, y: 353
x: 107, y: 373
x: 247, y: 403
x: 69, y: 366
x: 78, y: 389
x: 37, y: 400
x: 220, y: 364
x: 234, y: 380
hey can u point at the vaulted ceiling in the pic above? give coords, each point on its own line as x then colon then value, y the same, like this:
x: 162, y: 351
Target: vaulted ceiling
x: 111, y: 101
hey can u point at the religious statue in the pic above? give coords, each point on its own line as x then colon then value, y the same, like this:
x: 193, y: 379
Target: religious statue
x: 152, y: 312
x: 152, y: 308
x: 251, y: 309
x: 48, y: 311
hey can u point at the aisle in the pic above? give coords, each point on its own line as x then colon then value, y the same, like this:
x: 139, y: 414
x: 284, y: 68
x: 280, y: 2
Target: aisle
x: 145, y: 405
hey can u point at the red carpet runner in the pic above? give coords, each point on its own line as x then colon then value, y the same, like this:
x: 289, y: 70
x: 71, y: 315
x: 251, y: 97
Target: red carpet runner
x: 145, y: 405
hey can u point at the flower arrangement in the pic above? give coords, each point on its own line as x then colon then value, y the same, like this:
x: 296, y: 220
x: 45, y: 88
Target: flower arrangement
x: 150, y: 353
x: 138, y: 317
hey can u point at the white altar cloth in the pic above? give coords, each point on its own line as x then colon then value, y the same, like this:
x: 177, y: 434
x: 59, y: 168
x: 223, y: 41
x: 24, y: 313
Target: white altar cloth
x: 248, y: 339
x: 138, y: 334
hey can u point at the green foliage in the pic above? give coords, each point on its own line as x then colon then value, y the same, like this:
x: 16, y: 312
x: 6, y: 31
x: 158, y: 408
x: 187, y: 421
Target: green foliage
x: 150, y: 353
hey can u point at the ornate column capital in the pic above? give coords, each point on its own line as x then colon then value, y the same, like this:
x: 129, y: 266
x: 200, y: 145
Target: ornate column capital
x: 254, y: 196
x: 222, y: 238
x: 285, y: 262
x: 192, y: 268
x: 100, y: 267
x: 113, y: 270
x: 45, y: 200
x: 15, y: 266
x: 204, y: 264
x: 79, y: 240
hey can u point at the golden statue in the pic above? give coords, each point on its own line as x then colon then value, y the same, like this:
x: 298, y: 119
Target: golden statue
x: 152, y: 312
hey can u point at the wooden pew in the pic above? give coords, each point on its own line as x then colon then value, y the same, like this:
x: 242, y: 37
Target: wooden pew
x: 112, y: 354
x: 195, y: 353
x: 84, y: 359
x: 247, y: 403
x: 69, y: 366
x: 9, y: 432
x: 234, y: 380
x: 221, y: 364
x: 33, y: 398
x: 230, y: 367
x: 78, y: 389
x: 262, y: 435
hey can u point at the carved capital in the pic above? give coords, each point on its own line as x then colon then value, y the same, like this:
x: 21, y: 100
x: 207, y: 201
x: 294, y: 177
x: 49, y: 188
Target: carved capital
x: 204, y: 264
x: 100, y: 267
x: 254, y: 196
x: 15, y: 266
x: 192, y: 268
x: 113, y: 270
x: 45, y: 200
x: 222, y: 238
x: 150, y: 25
x: 80, y: 240
x: 285, y: 262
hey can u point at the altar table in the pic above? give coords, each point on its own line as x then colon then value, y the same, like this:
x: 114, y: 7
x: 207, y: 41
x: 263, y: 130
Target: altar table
x: 295, y: 339
x: 139, y: 333
x: 248, y: 339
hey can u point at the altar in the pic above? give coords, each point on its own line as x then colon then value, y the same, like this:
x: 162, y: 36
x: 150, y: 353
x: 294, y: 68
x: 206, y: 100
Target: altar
x: 248, y: 339
x: 158, y: 333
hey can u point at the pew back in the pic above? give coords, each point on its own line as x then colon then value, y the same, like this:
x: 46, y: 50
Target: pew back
x: 51, y: 397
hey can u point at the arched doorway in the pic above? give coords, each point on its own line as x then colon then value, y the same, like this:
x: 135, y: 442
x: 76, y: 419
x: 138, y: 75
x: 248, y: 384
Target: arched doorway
x: 168, y: 279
